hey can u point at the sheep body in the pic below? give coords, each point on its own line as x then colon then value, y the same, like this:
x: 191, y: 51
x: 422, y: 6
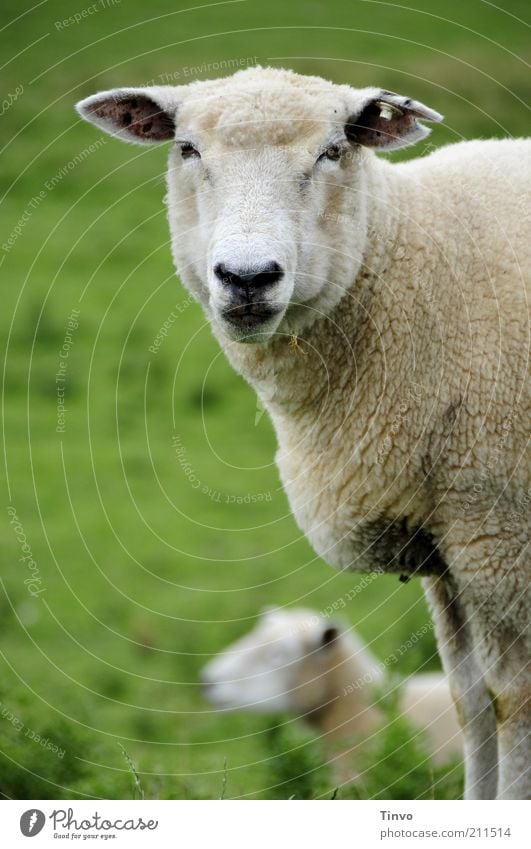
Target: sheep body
x: 299, y: 662
x: 334, y: 409
x: 426, y: 701
x: 403, y: 432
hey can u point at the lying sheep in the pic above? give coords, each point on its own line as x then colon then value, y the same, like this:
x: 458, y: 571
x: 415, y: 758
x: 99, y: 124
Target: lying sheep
x: 299, y: 662
x: 385, y: 314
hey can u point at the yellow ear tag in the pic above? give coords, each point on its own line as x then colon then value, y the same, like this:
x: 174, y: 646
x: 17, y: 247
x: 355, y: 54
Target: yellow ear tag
x: 387, y: 111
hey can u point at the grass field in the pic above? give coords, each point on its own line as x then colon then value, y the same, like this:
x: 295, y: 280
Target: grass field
x: 148, y: 559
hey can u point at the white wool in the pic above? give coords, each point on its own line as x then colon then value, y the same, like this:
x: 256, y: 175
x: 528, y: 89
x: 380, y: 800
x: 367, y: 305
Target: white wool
x: 403, y: 428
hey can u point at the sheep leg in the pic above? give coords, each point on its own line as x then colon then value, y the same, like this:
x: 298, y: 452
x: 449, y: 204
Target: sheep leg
x: 514, y: 746
x: 503, y: 653
x: 469, y: 691
x: 499, y: 605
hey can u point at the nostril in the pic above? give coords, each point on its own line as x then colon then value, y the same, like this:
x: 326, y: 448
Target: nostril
x: 265, y: 275
x: 271, y: 273
x: 222, y: 272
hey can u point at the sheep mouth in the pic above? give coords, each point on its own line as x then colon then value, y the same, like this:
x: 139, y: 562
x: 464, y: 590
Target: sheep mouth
x: 249, y: 316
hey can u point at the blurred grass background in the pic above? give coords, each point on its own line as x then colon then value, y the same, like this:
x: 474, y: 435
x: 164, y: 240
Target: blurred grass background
x: 146, y: 572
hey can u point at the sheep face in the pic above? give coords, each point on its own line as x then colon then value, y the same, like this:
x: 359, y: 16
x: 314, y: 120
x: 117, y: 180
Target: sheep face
x: 266, y: 186
x: 279, y: 666
x: 263, y: 251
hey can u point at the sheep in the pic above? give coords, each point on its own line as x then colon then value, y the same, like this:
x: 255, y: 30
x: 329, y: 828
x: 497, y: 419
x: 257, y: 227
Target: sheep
x: 381, y: 312
x: 299, y: 662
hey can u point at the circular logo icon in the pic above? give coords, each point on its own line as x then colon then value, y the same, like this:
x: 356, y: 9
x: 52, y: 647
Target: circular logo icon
x: 31, y: 822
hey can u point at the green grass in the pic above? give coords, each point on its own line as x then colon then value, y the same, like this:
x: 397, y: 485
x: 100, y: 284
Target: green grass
x: 146, y: 576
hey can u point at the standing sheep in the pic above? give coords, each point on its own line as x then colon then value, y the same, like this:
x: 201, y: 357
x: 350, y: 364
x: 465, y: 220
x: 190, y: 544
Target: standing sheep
x: 299, y: 662
x: 385, y: 314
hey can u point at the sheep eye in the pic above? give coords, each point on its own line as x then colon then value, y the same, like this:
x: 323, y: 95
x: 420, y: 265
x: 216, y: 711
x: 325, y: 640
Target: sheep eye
x: 188, y: 151
x: 333, y: 152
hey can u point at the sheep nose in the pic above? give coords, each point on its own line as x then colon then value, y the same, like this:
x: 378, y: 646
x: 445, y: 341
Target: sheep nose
x: 249, y: 278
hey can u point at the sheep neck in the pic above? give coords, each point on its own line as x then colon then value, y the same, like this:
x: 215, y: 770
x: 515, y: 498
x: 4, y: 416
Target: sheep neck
x: 349, y: 716
x: 352, y: 674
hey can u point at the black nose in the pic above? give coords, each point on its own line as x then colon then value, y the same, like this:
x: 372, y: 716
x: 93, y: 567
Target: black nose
x: 249, y: 278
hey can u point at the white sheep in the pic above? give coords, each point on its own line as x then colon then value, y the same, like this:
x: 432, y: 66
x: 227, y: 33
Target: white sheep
x: 299, y: 662
x: 385, y: 311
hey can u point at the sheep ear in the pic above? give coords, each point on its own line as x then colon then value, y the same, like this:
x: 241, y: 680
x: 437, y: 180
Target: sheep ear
x: 141, y: 115
x: 329, y: 635
x: 388, y: 121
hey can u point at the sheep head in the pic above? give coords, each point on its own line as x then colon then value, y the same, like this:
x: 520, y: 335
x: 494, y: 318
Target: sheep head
x: 267, y: 186
x: 281, y: 665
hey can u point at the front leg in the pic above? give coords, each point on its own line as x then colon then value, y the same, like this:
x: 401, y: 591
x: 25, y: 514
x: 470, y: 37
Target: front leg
x: 501, y: 638
x: 513, y: 713
x: 473, y: 704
